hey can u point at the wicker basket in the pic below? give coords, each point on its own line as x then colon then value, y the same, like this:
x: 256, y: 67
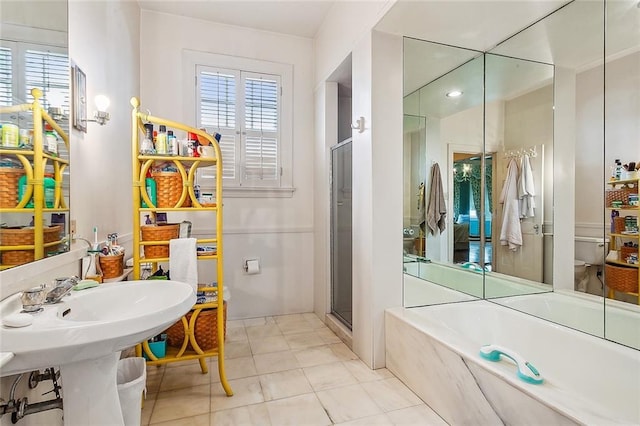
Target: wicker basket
x: 621, y: 278
x: 9, y: 188
x: 621, y: 194
x: 206, y: 329
x: 111, y: 266
x: 158, y: 233
x: 169, y: 189
x: 618, y: 225
x: 625, y: 251
x: 23, y: 237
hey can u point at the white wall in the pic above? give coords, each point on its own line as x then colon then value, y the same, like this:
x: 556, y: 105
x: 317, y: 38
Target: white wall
x: 277, y: 230
x: 103, y: 41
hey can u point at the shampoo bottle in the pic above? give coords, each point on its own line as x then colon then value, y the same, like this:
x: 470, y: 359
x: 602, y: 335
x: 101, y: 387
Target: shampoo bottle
x: 152, y: 190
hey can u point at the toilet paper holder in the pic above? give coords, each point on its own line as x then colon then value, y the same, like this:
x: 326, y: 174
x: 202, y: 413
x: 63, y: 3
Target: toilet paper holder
x: 251, y: 266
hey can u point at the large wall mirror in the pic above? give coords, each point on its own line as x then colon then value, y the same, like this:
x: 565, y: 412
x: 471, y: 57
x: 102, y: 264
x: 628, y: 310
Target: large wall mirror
x: 559, y: 105
x: 34, y: 54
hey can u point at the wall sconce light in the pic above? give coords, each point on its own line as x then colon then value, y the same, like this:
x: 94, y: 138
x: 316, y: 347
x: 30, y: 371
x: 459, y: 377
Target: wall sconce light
x: 101, y: 116
x: 359, y: 125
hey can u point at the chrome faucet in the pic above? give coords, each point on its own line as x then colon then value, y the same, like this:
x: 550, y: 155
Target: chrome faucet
x: 62, y: 287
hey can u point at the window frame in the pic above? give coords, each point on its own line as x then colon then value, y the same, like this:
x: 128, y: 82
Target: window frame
x: 205, y: 177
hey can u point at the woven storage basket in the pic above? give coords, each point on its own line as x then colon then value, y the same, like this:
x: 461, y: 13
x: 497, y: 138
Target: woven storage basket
x: 621, y: 194
x: 169, y: 189
x: 9, y: 188
x: 111, y: 266
x: 621, y: 278
x: 23, y: 237
x: 206, y: 329
x: 625, y: 252
x: 618, y: 225
x: 158, y: 233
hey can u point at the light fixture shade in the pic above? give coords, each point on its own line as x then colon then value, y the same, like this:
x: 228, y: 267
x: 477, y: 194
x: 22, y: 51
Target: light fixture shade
x: 102, y: 102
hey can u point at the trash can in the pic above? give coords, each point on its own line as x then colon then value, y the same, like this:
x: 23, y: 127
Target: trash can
x: 132, y: 378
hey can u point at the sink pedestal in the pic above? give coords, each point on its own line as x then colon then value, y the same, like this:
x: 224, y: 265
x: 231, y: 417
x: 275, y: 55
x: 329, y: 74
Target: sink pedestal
x: 90, y: 392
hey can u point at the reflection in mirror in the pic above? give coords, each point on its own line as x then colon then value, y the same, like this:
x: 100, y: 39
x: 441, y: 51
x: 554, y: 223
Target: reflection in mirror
x: 519, y: 118
x: 439, y: 122
x: 33, y: 54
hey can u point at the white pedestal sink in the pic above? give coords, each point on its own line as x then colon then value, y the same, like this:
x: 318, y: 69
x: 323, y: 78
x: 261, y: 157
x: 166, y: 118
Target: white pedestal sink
x: 84, y: 335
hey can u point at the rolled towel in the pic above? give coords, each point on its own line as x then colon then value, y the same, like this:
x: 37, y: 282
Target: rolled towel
x: 183, y: 261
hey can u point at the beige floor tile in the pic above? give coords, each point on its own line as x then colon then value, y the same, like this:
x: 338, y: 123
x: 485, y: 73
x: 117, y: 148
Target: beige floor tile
x: 284, y: 384
x: 327, y: 376
x: 304, y: 340
x: 262, y: 331
x: 421, y: 415
x: 378, y: 420
x: 237, y: 349
x: 250, y: 415
x: 327, y: 335
x: 275, y: 361
x: 348, y: 403
x: 183, y: 377
x: 245, y: 391
x: 363, y: 373
x: 342, y: 351
x: 234, y: 324
x: 252, y: 322
x: 235, y: 368
x: 181, y: 403
x: 238, y: 334
x: 201, y: 420
x: 268, y: 344
x: 313, y: 319
x: 391, y: 394
x: 191, y: 363
x: 315, y: 356
x: 154, y: 378
x: 301, y: 410
x: 290, y: 318
x: 291, y: 327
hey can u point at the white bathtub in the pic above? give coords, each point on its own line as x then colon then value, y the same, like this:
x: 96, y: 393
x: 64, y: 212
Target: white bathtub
x: 617, y: 321
x: 435, y: 351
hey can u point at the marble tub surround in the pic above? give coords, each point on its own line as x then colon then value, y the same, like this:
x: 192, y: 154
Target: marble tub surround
x: 442, y: 343
x: 285, y: 370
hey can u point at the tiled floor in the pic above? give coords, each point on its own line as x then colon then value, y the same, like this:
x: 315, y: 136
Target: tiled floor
x: 284, y: 370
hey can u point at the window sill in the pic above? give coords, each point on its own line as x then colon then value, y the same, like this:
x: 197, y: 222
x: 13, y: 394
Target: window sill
x: 257, y: 192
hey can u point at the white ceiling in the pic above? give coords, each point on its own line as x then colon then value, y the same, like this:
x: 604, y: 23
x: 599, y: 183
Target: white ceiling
x: 293, y: 17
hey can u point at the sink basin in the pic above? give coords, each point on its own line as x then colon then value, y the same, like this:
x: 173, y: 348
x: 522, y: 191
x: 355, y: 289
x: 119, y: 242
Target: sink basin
x: 84, y: 334
x: 91, y: 323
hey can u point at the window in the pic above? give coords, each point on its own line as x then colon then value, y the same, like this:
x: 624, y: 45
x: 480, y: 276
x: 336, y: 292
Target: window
x: 25, y: 66
x: 249, y: 103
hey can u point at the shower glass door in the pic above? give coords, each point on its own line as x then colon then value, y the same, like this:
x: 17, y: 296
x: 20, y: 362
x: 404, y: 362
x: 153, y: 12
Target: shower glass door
x: 341, y: 202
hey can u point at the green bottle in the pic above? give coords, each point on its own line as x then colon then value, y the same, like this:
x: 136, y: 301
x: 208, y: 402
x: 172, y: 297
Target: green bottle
x: 150, y: 184
x: 49, y: 191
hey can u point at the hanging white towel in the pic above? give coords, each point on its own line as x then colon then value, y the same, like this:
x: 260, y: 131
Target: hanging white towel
x: 183, y: 261
x: 436, y: 209
x: 510, y: 233
x: 526, y: 189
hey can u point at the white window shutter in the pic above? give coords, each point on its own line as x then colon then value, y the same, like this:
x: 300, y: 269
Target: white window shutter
x: 49, y: 72
x: 6, y: 77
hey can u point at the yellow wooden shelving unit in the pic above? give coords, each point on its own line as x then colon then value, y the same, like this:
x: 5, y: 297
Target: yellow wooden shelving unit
x: 34, y: 162
x: 187, y: 167
x: 616, y: 239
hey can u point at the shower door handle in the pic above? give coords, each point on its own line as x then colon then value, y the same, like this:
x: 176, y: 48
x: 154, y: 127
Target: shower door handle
x: 537, y: 229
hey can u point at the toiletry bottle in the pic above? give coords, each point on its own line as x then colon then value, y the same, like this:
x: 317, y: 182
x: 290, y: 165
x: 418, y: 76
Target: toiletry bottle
x: 152, y: 190
x: 50, y: 140
x: 49, y: 190
x: 618, y: 169
x: 146, y: 146
x: 161, y: 140
x: 172, y: 143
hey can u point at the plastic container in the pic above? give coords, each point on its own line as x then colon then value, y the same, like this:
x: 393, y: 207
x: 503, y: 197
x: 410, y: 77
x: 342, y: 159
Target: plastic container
x: 158, y: 349
x: 161, y: 141
x: 152, y: 191
x: 50, y: 139
x: 131, y: 381
x: 49, y: 191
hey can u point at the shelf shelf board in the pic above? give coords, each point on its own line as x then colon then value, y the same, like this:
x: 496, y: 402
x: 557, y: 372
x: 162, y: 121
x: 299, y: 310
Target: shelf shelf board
x: 625, y: 207
x: 636, y: 236
x: 621, y: 263
x: 622, y: 182
x: 188, y: 355
x: 177, y: 209
x: 185, y: 160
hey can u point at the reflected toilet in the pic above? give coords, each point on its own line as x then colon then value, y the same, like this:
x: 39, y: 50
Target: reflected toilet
x: 589, y: 258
